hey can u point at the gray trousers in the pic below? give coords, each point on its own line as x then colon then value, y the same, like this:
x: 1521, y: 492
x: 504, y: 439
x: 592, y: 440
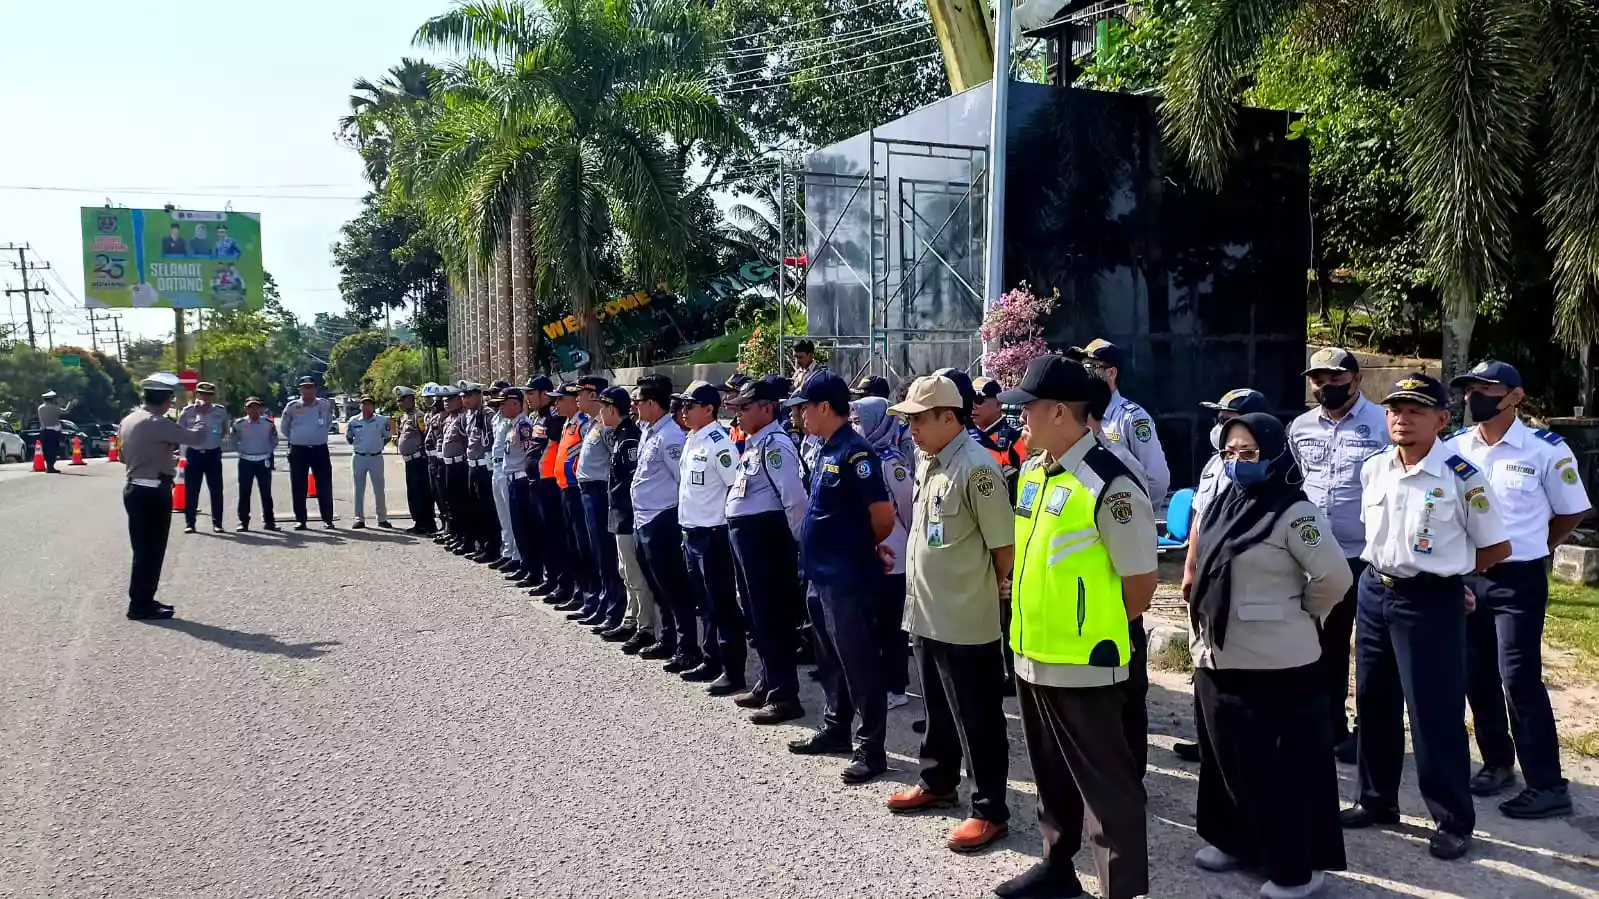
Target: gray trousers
x: 362, y: 468
x: 640, y: 601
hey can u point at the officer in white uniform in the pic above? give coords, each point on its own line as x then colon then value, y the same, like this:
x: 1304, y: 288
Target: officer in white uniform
x: 710, y: 468
x: 1125, y: 421
x: 1534, y: 484
x: 1429, y: 522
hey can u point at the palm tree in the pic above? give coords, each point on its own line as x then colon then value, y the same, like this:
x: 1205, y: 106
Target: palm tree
x: 1482, y: 81
x: 374, y: 109
x: 575, y: 109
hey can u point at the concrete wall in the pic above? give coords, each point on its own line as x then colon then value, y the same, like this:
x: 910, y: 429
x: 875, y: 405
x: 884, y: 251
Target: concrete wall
x: 1379, y: 372
x: 681, y: 375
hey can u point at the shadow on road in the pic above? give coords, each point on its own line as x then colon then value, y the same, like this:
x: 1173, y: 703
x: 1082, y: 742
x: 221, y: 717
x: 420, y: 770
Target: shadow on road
x: 265, y: 644
x: 378, y: 535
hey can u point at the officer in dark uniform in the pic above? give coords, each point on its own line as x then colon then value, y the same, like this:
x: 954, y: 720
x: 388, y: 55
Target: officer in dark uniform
x: 457, y: 477
x: 558, y: 587
x: 411, y: 448
x: 1001, y: 437
x: 433, y: 445
x: 149, y: 441
x: 848, y: 516
x: 535, y: 405
x: 484, y: 535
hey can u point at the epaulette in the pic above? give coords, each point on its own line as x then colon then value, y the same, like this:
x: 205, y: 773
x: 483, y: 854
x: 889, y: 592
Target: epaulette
x: 1549, y: 437
x: 716, y: 436
x: 1459, y: 433
x: 1460, y: 467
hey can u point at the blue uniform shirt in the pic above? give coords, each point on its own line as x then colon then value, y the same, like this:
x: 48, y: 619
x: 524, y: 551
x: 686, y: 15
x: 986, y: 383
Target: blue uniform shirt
x: 836, y: 540
x: 660, y: 453
x: 1331, y: 454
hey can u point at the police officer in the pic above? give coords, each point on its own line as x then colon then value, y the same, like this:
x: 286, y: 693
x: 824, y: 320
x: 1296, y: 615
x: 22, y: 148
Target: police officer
x: 1429, y: 521
x: 149, y: 441
x: 1086, y: 567
x: 1533, y: 482
x: 593, y: 477
x: 516, y: 446
x: 1331, y: 443
x: 1126, y: 421
x: 484, y: 533
x: 257, y: 440
x: 457, y: 476
x: 433, y: 445
x: 765, y: 509
x: 1212, y: 478
x: 585, y: 599
x: 656, y: 534
x: 535, y: 568
x: 304, y: 426
x: 367, y: 434
x: 849, y: 514
x: 500, y: 429
x: 560, y: 584
x: 204, y: 461
x: 50, y: 430
x: 413, y: 454
x: 710, y: 467
x: 638, y: 626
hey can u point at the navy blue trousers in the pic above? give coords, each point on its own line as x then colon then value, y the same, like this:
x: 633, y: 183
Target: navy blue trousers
x: 552, y: 537
x: 709, y: 558
x: 847, y: 650
x: 251, y: 475
x: 204, y: 466
x: 525, y: 526
x: 1505, y: 659
x: 660, y: 547
x: 576, y: 535
x: 766, y: 565
x: 605, y: 573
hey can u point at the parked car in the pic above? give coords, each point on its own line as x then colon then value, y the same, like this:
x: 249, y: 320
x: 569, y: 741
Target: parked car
x: 12, y: 449
x: 98, y: 442
x: 69, y: 430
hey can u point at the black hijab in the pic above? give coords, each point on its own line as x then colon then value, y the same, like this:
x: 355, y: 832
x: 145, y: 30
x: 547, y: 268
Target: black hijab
x: 1238, y: 518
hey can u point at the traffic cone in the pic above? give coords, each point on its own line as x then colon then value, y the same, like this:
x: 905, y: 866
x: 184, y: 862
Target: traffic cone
x: 77, y: 452
x: 38, y: 455
x: 111, y: 454
x: 180, y: 489
x: 310, y: 485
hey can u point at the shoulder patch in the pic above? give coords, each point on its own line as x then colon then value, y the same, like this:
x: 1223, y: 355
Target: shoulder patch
x: 1310, y: 535
x: 1460, y: 467
x: 863, y: 468
x: 899, y: 472
x: 1143, y: 430
x: 724, y: 459
x: 1549, y: 437
x: 983, y: 480
x: 1122, y: 511
x: 716, y: 436
x: 675, y: 451
x: 1298, y: 523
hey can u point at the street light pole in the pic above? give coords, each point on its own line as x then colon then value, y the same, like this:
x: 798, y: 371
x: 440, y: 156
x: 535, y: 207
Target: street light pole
x: 999, y: 89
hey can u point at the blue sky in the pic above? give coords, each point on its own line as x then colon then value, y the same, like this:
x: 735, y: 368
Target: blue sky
x: 196, y: 104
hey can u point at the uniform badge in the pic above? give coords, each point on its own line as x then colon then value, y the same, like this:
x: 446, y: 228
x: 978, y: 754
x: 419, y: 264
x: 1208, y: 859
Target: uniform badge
x: 1029, y: 496
x: 1114, y: 435
x: 1143, y: 430
x: 863, y: 469
x: 716, y: 436
x: 899, y: 472
x: 1480, y: 504
x: 983, y: 480
x: 1057, y: 499
x: 774, y: 459
x: 632, y: 454
x: 1363, y: 430
x: 1310, y: 535
x: 1122, y: 511
x: 675, y: 451
x: 724, y: 459
x: 1569, y: 475
x: 1438, y: 492
x: 697, y: 478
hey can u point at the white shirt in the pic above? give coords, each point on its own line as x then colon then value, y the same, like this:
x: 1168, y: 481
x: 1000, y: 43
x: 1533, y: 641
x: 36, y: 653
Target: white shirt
x: 1211, y: 479
x: 655, y: 486
x: 710, y: 466
x: 1532, y: 477
x: 1128, y: 424
x: 1431, y: 519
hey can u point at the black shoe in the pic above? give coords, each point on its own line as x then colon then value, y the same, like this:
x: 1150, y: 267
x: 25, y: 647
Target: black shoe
x: 417, y: 529
x: 1357, y: 817
x: 778, y: 712
x: 814, y: 674
x: 300, y: 526
x: 328, y: 526
x: 500, y: 564
x: 385, y: 524
x: 1347, y: 751
x: 578, y: 614
x: 725, y: 686
x: 523, y: 583
x: 1447, y: 846
x: 1188, y: 752
x: 558, y: 600
x: 572, y: 604
x: 822, y: 743
x: 462, y: 550
x: 703, y: 673
x: 217, y: 528
x: 657, y: 651
x: 271, y: 527
x: 620, y: 633
x: 638, y: 642
x: 1531, y: 804
x: 156, y: 613
x: 1042, y: 881
x: 863, y: 769
x: 358, y: 526
x: 546, y: 587
x: 754, y: 699
x: 244, y: 526
x: 680, y: 663
x: 188, y: 529
x: 597, y: 618
x: 1491, y: 780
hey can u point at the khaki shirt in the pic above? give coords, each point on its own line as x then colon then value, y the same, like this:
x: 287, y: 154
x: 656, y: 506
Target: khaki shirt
x: 148, y: 441
x: 961, y: 514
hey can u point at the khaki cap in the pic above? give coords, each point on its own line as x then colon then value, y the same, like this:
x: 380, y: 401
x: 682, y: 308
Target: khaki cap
x: 930, y: 392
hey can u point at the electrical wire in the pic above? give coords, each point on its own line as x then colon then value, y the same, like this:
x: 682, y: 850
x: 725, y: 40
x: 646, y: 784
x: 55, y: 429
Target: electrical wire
x: 807, y: 43
x: 788, y: 83
x: 828, y: 17
x: 805, y: 70
x: 175, y: 193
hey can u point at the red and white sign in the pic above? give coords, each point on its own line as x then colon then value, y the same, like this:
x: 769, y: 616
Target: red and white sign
x: 188, y: 378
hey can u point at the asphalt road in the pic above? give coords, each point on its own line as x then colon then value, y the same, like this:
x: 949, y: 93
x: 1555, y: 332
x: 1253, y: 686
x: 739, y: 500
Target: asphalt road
x: 358, y: 714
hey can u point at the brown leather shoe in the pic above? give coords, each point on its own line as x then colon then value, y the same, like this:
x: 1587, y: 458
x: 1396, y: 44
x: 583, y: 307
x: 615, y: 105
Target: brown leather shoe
x: 975, y: 833
x: 916, y: 798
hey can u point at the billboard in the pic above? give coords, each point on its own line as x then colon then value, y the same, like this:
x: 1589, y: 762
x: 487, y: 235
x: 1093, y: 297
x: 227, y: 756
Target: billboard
x: 182, y: 259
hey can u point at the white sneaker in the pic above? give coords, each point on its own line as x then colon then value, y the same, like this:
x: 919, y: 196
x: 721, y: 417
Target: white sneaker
x: 898, y: 700
x: 1271, y: 890
x: 1210, y: 858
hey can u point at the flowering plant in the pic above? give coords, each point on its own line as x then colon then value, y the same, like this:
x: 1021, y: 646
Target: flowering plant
x: 1013, y: 329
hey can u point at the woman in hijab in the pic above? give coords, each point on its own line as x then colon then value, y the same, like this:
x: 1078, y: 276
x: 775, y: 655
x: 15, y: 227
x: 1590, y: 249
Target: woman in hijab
x: 871, y: 420
x: 1261, y: 572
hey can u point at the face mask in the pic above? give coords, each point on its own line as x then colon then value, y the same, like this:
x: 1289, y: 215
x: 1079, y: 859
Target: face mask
x: 1215, y: 437
x: 1247, y: 474
x: 1333, y: 396
x: 1483, y: 407
x: 1096, y: 373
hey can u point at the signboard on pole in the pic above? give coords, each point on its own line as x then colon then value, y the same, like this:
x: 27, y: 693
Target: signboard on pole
x: 188, y: 379
x: 178, y: 259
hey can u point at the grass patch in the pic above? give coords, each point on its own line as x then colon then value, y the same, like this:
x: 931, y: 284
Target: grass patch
x: 1573, y: 624
x: 721, y: 349
x: 1582, y: 744
x: 1174, y: 656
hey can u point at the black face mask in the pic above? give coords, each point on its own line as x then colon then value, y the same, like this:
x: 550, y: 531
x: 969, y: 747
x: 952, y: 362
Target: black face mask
x: 1333, y: 396
x: 1483, y: 407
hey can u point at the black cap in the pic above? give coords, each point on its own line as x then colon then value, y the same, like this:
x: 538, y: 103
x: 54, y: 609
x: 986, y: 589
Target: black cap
x: 1419, y: 387
x: 987, y: 387
x: 701, y: 392
x: 1050, y: 378
x: 307, y: 381
x: 567, y: 388
x: 511, y: 393
x: 803, y: 346
x: 871, y: 385
x: 765, y: 389
x: 1332, y: 358
x: 617, y: 396
x: 1242, y: 401
x: 593, y: 382
x: 1099, y: 350
x: 824, y: 387
x: 501, y: 384
x: 1490, y: 371
x: 540, y: 382
x: 736, y: 381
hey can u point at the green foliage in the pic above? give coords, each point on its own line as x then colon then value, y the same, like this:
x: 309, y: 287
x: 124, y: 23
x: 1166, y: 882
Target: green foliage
x: 759, y: 354
x: 1137, y: 59
x: 722, y: 349
x: 387, y: 261
x: 105, y: 393
x: 351, y: 358
x: 25, y: 373
x: 396, y: 366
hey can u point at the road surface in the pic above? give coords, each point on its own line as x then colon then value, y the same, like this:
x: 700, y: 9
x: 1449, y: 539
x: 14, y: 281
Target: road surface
x: 360, y: 714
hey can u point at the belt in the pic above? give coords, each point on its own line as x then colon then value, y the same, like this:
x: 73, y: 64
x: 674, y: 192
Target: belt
x: 435, y: 454
x: 412, y: 457
x: 453, y: 460
x: 378, y: 453
x: 252, y: 458
x: 518, y: 475
x: 1416, y: 580
x: 478, y: 463
x: 209, y: 449
x: 144, y: 482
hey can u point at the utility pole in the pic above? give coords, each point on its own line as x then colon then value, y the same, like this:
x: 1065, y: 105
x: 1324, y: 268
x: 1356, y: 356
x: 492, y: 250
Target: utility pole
x: 116, y: 328
x: 22, y: 265
x: 94, y: 338
x: 49, y: 328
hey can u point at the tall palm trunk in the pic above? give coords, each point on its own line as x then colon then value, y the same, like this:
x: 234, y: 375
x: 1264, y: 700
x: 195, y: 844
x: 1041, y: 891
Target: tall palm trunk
x: 1457, y: 320
x: 593, y: 338
x: 524, y: 320
x: 504, y: 325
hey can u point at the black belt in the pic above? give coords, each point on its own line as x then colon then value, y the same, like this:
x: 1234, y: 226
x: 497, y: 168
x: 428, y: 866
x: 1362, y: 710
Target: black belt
x: 378, y: 453
x: 1417, y: 580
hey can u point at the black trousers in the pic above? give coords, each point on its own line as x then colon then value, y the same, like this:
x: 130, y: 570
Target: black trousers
x: 1135, y: 711
x: 202, y: 467
x: 1505, y: 664
x: 485, y: 519
x: 709, y: 557
x: 149, y: 521
x: 852, y: 664
x: 525, y: 523
x: 1336, y: 633
x: 458, y: 499
x: 1410, y: 649
x: 418, y: 498
x: 251, y: 475
x: 888, y: 624
x: 963, y: 689
x: 659, y: 543
x: 50, y: 444
x: 552, y: 536
x: 311, y: 460
x: 1085, y: 773
x: 580, y: 565
x: 437, y: 493
x: 1268, y: 788
x: 765, y: 562
x: 607, y: 573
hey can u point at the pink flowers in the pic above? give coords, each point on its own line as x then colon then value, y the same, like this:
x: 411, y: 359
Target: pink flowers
x: 1014, y: 326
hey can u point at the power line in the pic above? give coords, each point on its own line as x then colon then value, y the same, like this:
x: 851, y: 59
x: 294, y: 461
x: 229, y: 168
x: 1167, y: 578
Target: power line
x: 170, y: 193
x: 787, y: 83
x: 787, y: 77
x: 809, y: 42
x: 790, y: 25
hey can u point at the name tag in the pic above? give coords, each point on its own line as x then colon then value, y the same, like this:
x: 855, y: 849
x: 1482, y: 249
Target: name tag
x: 935, y: 534
x: 1422, y: 544
x: 697, y: 478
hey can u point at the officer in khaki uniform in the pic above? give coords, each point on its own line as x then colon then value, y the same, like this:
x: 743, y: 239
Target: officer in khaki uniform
x: 1085, y: 568
x: 958, y: 562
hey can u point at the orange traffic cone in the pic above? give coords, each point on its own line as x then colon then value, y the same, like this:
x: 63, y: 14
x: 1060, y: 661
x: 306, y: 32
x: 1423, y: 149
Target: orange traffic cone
x: 111, y: 454
x: 77, y: 452
x: 310, y: 485
x: 180, y: 489
x: 38, y: 455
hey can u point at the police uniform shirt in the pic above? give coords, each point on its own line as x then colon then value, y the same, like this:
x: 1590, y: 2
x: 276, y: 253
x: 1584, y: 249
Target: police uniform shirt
x: 455, y: 430
x: 1211, y: 479
x: 594, y: 460
x: 367, y: 435
x: 1127, y: 423
x: 1431, y: 519
x: 898, y: 478
x: 515, y: 445
x: 961, y: 514
x: 710, y: 466
x: 769, y: 478
x: 1532, y: 477
x: 478, y: 433
x: 306, y: 424
x: 623, y: 441
x: 1331, y: 454
x: 257, y: 439
x: 499, y: 435
x: 433, y: 433
x: 49, y: 416
x: 1125, y: 520
x: 655, y: 480
x: 546, y: 430
x: 1125, y: 455
x: 412, y: 438
x: 213, y: 421
x: 148, y: 443
x: 836, y: 541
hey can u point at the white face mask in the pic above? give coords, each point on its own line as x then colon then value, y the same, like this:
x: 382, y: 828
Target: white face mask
x: 1215, y: 438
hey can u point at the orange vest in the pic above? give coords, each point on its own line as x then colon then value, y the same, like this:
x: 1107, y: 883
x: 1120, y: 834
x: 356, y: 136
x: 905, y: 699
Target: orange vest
x: 550, y: 464
x: 571, y: 437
